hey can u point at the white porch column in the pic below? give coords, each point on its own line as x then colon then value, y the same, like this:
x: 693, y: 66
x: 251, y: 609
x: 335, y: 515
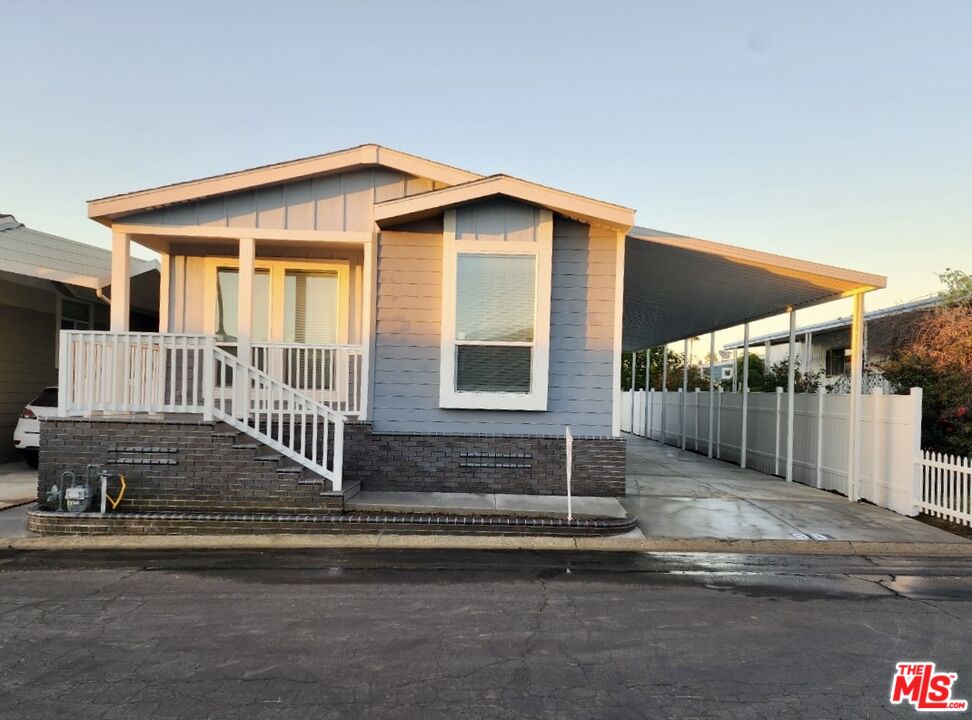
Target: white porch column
x: 790, y: 395
x: 685, y: 365
x: 121, y: 261
x: 244, y: 310
x: 164, y: 289
x: 745, y: 397
x: 857, y: 377
x: 711, y: 386
x: 664, y: 393
x: 369, y: 282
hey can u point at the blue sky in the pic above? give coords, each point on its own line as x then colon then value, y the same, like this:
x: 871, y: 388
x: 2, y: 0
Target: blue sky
x: 832, y: 131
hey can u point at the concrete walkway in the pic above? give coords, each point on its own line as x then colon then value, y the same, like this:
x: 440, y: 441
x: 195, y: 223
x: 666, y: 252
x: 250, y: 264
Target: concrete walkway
x: 18, y: 483
x: 484, y: 504
x: 679, y: 494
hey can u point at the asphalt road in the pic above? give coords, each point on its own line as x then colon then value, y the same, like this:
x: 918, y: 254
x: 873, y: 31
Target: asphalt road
x: 472, y: 634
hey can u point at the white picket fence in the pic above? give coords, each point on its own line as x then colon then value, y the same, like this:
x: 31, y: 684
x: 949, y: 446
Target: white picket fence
x: 945, y: 486
x: 894, y: 472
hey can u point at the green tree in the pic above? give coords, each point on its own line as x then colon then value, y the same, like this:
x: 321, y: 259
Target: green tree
x: 676, y: 361
x: 939, y: 360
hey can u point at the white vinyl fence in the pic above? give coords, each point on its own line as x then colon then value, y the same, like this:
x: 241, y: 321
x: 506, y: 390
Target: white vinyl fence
x: 890, y: 443
x: 946, y: 486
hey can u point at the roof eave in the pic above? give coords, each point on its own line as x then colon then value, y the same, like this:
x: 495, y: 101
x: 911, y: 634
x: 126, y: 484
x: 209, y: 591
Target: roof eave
x: 584, y: 209
x: 105, y: 210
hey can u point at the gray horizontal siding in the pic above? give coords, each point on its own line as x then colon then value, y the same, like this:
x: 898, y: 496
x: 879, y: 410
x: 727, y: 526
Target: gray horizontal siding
x: 406, y: 361
x: 341, y: 202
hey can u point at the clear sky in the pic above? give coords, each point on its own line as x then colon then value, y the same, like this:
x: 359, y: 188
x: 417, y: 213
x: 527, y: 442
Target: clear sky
x: 831, y: 131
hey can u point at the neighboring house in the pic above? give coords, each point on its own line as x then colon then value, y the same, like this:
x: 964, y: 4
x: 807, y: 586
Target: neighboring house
x: 825, y: 347
x: 383, y: 319
x: 48, y: 283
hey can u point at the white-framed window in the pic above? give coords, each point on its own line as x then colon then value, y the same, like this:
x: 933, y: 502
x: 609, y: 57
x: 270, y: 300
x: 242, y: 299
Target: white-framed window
x: 294, y: 301
x: 495, y: 319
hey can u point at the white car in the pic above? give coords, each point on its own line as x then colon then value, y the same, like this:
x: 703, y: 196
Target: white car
x: 27, y: 433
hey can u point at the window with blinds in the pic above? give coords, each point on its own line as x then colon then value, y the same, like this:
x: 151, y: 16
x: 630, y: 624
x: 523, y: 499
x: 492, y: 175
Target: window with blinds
x: 310, y: 307
x: 495, y: 317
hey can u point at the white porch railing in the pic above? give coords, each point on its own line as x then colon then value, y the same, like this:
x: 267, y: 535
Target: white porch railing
x: 175, y: 373
x: 330, y: 374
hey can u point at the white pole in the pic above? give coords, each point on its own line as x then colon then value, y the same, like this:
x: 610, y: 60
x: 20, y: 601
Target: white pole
x: 698, y: 406
x: 745, y: 396
x: 735, y: 375
x: 857, y: 373
x: 916, y: 453
x: 664, y: 407
x: 791, y: 393
x: 634, y: 365
x: 647, y: 385
x: 685, y: 364
x: 821, y: 391
x: 569, y: 439
x: 711, y: 385
x: 776, y: 447
x: 718, y: 447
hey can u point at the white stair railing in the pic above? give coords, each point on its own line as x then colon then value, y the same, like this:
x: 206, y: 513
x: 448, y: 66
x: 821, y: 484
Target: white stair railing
x: 183, y: 373
x: 296, y: 426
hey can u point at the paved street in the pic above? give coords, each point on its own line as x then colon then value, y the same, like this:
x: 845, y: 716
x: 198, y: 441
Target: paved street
x: 471, y: 634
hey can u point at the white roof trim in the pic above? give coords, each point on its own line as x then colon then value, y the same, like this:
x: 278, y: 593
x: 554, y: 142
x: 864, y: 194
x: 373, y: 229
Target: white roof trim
x: 579, y: 207
x: 105, y: 209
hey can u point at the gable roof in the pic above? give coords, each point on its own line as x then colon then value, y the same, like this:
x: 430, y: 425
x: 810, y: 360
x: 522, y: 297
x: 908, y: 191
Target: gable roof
x: 579, y: 207
x: 33, y: 253
x: 105, y: 209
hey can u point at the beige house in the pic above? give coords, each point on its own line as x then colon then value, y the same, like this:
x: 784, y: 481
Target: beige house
x: 50, y: 283
x: 392, y: 321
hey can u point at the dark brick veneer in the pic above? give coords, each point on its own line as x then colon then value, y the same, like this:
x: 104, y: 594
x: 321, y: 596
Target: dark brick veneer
x: 481, y: 463
x: 182, y: 463
x: 178, y: 463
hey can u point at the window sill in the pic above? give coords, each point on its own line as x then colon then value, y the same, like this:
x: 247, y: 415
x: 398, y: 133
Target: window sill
x: 493, y: 401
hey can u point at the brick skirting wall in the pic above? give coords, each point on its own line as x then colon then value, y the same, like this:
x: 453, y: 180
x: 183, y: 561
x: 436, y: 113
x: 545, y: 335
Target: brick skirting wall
x: 182, y: 463
x: 533, y: 465
x: 176, y: 463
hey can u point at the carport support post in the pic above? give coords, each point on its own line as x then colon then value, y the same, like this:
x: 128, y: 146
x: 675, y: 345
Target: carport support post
x: 857, y: 377
x: 685, y: 362
x: 711, y: 385
x: 634, y: 367
x: 647, y: 386
x: 790, y: 393
x: 745, y: 397
x: 664, y: 394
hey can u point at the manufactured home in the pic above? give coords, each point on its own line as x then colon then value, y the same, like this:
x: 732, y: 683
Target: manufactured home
x: 369, y: 318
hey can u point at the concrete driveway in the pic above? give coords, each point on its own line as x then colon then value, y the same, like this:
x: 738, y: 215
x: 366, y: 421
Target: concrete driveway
x: 18, y: 483
x: 679, y: 494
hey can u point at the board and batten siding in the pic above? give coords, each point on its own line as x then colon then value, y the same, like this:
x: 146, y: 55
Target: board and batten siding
x: 340, y: 202
x: 406, y: 361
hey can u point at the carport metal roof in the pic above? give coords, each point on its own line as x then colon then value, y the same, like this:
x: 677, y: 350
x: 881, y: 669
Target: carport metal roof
x: 677, y: 286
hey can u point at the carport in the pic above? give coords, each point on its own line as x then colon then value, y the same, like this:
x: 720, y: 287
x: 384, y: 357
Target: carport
x: 678, y: 287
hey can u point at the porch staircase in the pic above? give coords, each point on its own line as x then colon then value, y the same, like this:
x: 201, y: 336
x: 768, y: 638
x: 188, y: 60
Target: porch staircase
x: 180, y: 373
x: 216, y: 468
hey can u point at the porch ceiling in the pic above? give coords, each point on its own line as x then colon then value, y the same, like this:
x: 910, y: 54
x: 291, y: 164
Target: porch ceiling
x: 678, y: 286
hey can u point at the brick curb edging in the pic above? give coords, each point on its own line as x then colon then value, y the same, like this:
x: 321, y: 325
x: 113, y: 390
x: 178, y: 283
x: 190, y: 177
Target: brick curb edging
x: 46, y: 522
x: 393, y: 541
